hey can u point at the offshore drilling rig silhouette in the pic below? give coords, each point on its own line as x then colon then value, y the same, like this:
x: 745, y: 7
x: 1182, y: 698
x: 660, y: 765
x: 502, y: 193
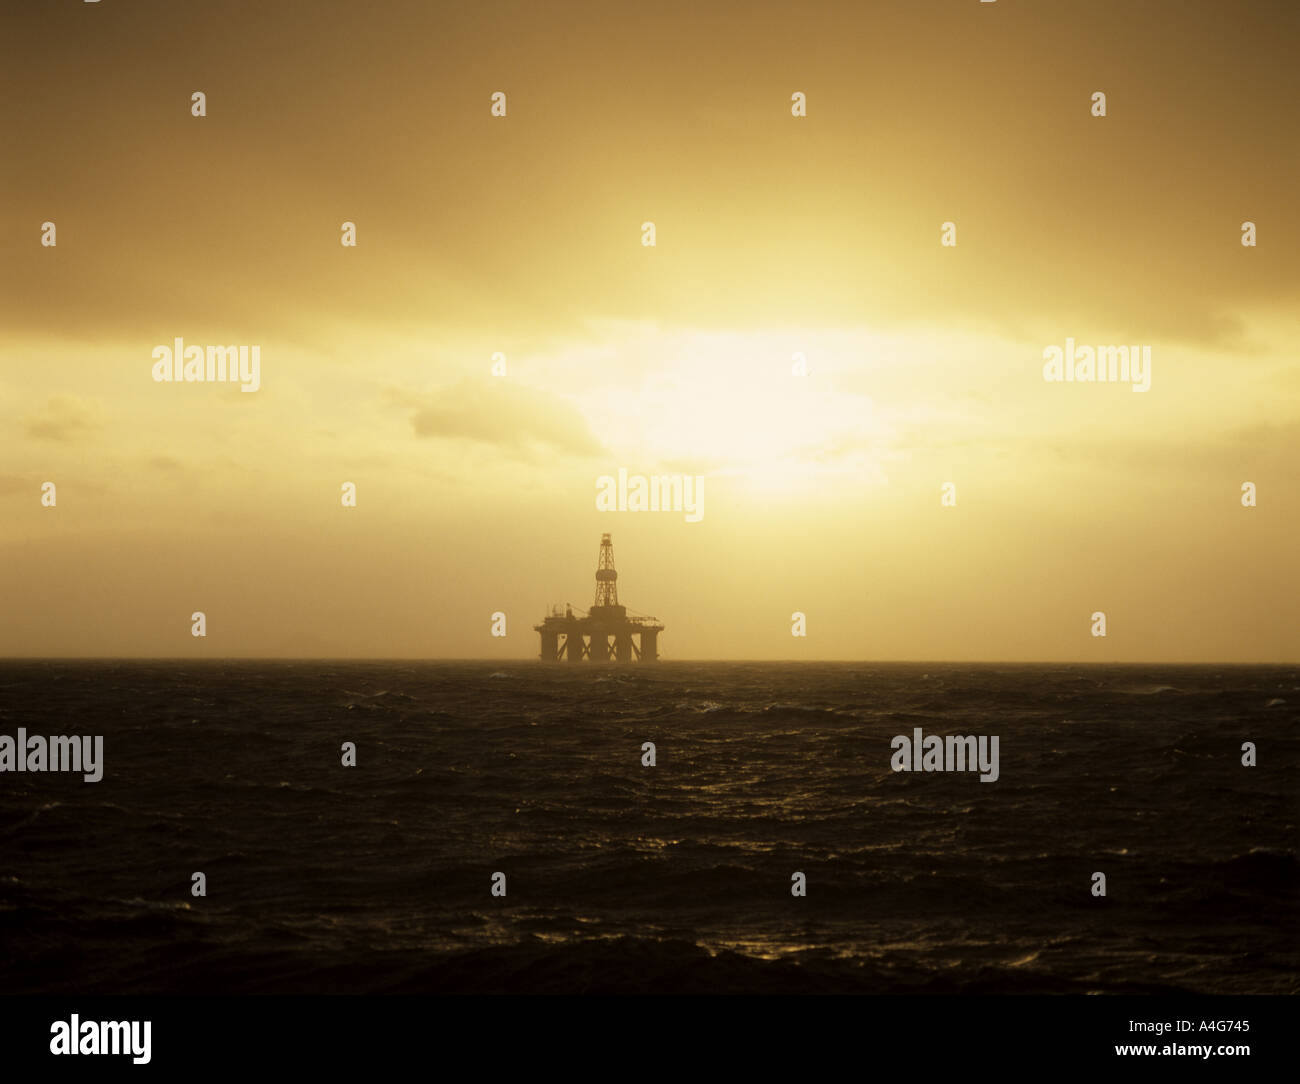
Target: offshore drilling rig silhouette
x: 605, y: 633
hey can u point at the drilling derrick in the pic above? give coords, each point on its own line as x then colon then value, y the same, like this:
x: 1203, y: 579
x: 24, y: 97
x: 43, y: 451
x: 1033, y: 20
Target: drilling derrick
x: 605, y: 633
x: 606, y: 580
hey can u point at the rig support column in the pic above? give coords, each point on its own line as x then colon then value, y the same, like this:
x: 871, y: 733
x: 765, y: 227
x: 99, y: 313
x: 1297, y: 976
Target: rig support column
x: 550, y: 645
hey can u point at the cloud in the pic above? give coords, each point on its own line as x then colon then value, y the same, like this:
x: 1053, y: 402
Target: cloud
x: 64, y: 419
x: 499, y: 413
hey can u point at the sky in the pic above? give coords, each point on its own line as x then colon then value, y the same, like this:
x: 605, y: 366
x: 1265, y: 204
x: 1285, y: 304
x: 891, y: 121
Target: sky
x: 776, y: 236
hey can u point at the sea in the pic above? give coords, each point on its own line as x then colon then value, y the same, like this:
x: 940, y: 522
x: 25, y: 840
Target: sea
x: 624, y: 877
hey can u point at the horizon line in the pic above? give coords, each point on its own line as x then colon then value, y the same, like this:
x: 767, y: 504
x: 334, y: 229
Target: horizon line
x: 610, y: 664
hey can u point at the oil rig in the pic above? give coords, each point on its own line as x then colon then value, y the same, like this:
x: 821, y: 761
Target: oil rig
x: 605, y: 633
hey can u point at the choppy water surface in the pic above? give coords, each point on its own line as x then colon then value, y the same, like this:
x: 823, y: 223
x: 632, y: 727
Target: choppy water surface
x: 627, y: 878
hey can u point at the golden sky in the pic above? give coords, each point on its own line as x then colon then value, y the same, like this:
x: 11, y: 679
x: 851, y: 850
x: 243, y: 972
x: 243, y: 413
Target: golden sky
x: 775, y: 235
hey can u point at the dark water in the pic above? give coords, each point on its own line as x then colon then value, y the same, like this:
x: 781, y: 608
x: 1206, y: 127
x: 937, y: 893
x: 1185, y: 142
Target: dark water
x: 627, y: 878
